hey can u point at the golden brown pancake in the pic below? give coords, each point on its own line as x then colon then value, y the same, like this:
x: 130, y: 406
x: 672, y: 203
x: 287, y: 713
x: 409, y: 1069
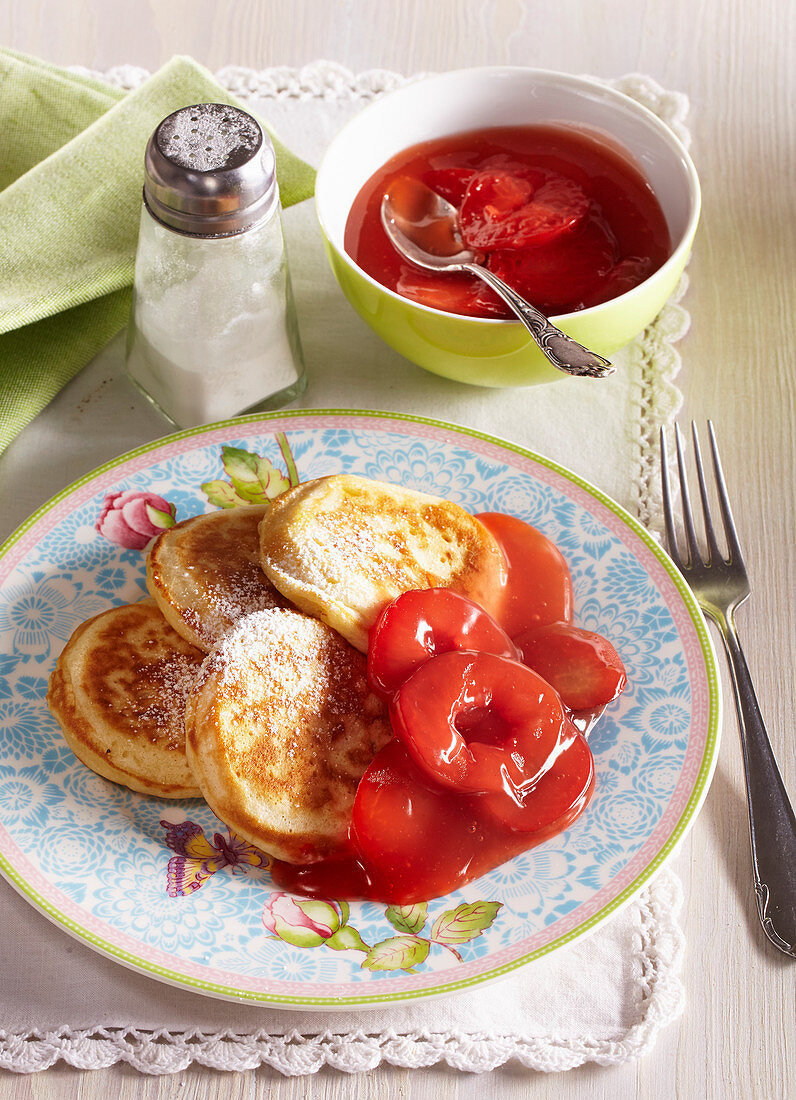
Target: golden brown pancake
x: 118, y: 691
x: 205, y: 573
x: 342, y: 547
x: 280, y: 725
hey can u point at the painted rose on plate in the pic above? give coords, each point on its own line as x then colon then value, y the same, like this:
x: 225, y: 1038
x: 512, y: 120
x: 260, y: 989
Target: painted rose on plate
x: 132, y: 519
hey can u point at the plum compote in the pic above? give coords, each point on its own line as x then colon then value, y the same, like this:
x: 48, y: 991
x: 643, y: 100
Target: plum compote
x: 561, y: 214
x: 486, y: 757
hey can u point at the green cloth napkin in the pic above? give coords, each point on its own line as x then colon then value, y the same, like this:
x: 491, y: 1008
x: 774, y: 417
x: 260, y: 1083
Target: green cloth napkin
x: 71, y: 178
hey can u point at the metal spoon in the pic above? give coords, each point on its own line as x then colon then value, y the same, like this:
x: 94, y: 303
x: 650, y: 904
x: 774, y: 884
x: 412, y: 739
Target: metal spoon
x: 424, y: 228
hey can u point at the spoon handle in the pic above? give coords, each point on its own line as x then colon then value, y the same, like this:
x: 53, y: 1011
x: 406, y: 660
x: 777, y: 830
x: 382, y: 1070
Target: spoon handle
x: 564, y: 353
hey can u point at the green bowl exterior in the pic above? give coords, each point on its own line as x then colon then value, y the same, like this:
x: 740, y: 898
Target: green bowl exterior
x: 498, y: 355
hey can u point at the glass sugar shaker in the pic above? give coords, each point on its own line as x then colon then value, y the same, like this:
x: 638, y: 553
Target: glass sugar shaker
x: 213, y: 329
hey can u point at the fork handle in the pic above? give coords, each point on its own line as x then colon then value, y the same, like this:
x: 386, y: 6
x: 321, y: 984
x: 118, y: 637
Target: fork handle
x: 772, y: 824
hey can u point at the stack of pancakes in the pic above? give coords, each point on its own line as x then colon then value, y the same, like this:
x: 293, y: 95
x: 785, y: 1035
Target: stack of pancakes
x: 243, y: 679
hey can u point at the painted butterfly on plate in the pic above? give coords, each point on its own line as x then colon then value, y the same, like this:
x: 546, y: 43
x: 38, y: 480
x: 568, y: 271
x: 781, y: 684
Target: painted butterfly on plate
x: 197, y: 858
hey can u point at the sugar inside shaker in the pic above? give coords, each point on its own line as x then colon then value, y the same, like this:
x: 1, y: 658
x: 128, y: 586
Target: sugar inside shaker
x: 213, y: 329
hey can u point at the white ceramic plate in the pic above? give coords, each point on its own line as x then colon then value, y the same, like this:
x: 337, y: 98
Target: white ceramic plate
x: 93, y: 856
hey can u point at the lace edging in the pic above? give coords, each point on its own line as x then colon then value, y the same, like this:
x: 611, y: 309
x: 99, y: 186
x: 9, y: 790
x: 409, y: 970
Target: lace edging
x: 658, y: 957
x: 656, y: 399
x: 328, y: 79
x: 318, y: 80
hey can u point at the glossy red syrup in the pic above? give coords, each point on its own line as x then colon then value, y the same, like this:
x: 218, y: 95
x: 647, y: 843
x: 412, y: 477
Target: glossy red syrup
x: 417, y: 842
x: 565, y: 218
x: 399, y: 806
x: 538, y: 587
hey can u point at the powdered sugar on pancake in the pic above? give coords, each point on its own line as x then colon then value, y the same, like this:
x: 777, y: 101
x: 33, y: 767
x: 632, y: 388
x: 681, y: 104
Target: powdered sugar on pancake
x: 280, y: 727
x: 311, y: 662
x: 173, y: 679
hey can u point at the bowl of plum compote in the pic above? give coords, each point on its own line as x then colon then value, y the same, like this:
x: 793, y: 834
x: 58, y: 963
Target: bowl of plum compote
x: 575, y: 194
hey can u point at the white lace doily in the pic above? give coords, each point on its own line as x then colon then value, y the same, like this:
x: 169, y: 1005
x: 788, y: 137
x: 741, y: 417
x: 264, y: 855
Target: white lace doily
x: 652, y: 398
x: 602, y: 999
x: 606, y: 999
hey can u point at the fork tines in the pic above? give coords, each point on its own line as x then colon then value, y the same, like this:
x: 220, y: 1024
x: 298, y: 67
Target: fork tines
x: 694, y: 556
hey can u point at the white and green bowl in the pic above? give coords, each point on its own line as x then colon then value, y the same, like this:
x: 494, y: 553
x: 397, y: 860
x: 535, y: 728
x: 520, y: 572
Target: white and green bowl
x: 494, y: 352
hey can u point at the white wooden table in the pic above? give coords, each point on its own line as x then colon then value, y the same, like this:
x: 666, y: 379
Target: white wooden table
x: 734, y: 59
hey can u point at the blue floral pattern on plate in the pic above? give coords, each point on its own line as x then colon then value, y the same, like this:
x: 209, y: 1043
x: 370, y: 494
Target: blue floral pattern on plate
x: 92, y: 855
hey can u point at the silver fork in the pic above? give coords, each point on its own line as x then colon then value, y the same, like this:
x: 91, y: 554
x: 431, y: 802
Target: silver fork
x: 720, y: 584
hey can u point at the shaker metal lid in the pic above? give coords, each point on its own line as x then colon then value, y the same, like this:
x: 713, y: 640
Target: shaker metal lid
x: 210, y: 171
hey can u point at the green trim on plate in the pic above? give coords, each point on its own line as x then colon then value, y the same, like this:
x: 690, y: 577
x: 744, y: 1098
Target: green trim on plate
x: 372, y: 999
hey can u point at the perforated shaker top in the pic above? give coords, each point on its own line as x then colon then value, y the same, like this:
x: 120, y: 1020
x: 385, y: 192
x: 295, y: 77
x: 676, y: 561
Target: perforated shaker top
x: 210, y: 171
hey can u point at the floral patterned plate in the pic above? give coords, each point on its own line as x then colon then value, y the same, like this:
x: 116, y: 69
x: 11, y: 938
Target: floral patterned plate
x: 165, y: 889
